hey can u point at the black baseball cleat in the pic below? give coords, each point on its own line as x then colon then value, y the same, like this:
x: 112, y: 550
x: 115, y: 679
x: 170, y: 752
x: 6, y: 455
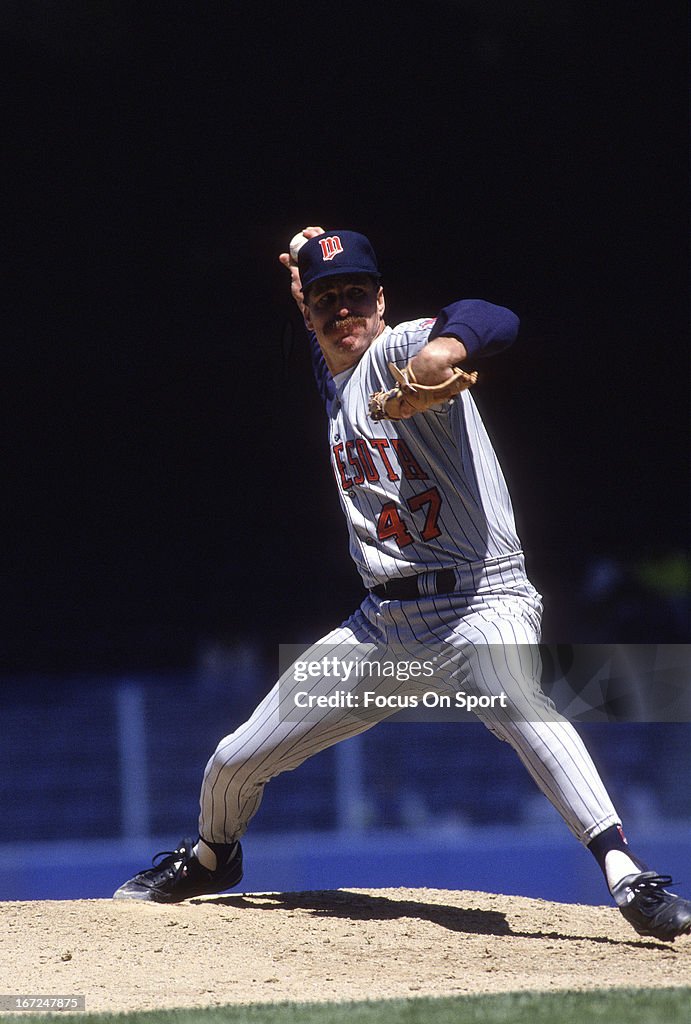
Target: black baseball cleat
x: 647, y: 905
x: 180, y: 876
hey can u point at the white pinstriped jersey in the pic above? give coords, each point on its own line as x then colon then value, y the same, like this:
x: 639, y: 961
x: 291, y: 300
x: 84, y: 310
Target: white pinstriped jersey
x: 419, y: 494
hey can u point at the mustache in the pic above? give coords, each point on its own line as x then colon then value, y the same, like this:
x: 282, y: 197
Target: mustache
x: 346, y: 322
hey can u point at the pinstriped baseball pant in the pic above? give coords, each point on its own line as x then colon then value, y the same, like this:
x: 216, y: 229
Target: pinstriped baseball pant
x: 485, y: 644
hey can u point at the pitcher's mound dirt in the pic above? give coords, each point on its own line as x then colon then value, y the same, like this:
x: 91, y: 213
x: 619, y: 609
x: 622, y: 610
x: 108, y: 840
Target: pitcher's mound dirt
x: 322, y: 946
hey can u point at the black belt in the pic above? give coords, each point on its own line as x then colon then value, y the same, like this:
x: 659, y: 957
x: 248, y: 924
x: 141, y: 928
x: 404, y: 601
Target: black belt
x: 406, y: 588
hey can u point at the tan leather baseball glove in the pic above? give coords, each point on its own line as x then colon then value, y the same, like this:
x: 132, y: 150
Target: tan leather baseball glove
x: 389, y: 405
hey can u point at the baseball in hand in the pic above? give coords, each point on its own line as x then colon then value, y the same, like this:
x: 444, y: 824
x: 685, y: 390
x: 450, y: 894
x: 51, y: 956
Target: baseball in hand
x: 296, y: 243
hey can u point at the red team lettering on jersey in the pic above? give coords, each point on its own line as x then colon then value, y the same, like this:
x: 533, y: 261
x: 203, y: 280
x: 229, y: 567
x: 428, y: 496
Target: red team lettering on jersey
x: 356, y: 456
x: 354, y: 462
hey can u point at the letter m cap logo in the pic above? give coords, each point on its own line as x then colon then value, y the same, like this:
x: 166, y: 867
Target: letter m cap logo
x: 330, y: 246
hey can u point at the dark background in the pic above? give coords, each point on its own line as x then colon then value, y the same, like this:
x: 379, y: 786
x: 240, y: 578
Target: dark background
x: 167, y: 485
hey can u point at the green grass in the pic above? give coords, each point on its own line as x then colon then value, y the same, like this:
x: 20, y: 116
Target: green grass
x: 619, y: 1006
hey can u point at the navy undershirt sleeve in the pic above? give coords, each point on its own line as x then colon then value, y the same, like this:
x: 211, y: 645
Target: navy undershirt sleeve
x: 322, y: 375
x: 483, y: 327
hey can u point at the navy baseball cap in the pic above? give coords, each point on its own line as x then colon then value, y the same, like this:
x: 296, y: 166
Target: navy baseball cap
x: 336, y: 252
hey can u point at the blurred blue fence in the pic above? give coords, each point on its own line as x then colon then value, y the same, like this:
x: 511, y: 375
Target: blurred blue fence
x: 87, y: 763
